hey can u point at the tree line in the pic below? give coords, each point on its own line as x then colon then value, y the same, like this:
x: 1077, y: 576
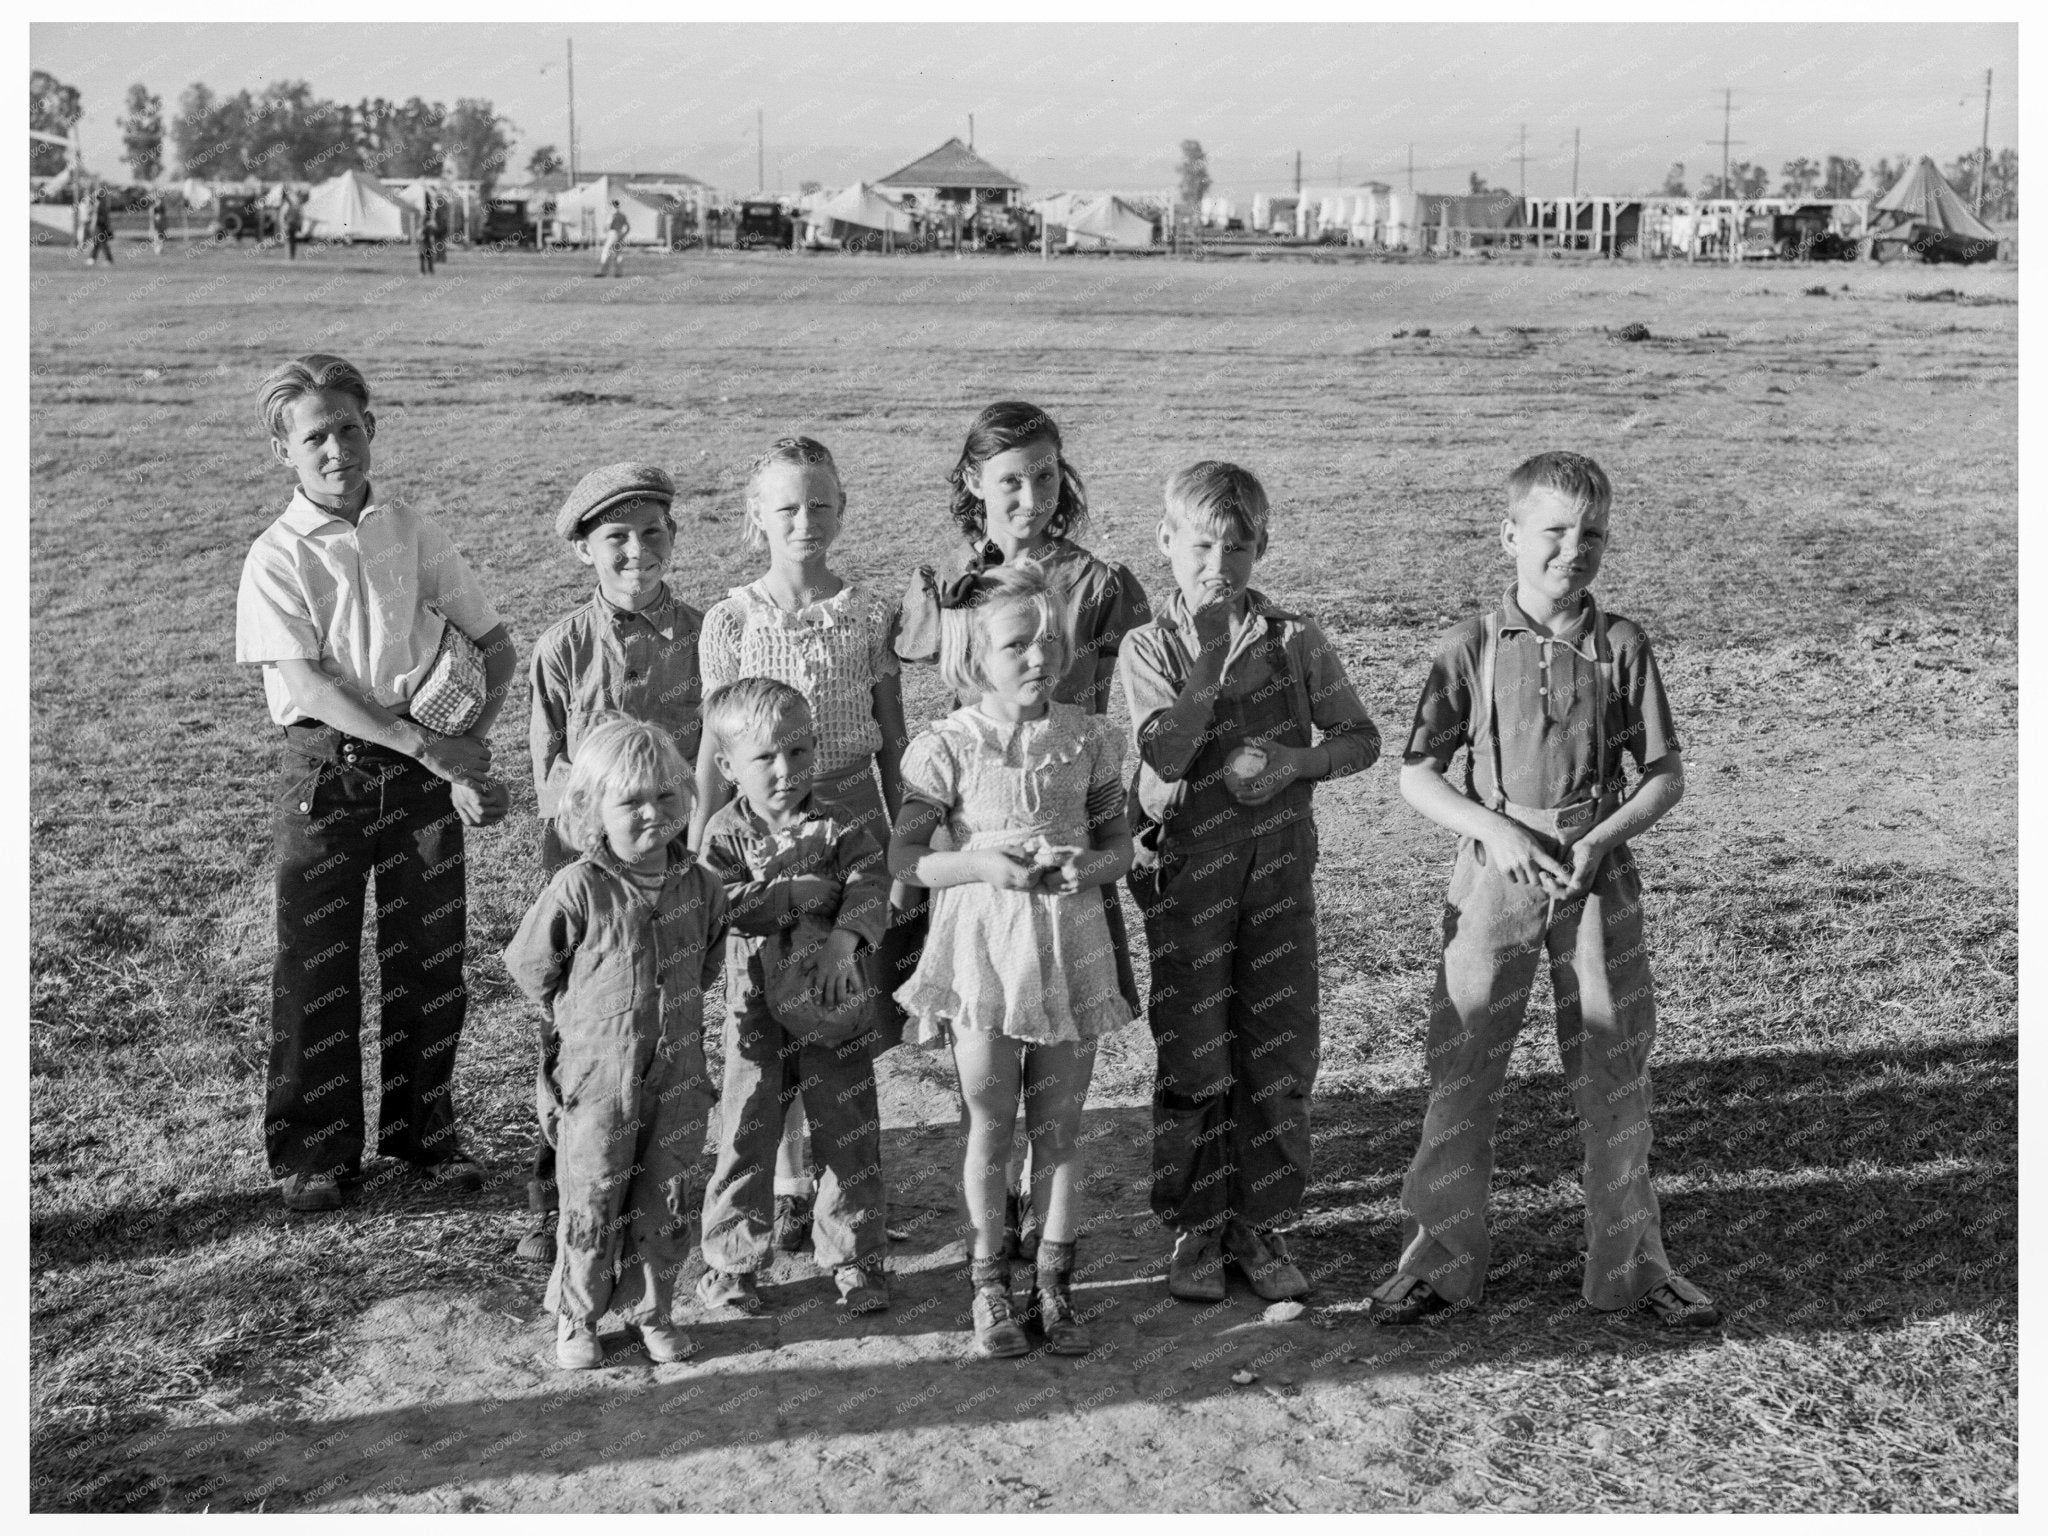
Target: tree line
x: 287, y: 133
x: 1839, y: 176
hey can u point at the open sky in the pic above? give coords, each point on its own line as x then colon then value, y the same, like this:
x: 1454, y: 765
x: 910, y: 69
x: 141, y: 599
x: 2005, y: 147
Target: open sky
x: 1106, y: 106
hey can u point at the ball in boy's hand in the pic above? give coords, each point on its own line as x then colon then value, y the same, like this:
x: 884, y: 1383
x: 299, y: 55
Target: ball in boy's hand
x: 1247, y: 763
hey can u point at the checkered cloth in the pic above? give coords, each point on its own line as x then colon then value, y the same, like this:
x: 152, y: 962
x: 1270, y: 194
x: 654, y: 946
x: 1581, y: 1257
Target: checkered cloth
x: 450, y: 698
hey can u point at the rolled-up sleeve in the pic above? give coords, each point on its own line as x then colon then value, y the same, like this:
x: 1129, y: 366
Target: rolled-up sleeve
x: 1152, y: 686
x: 1349, y: 736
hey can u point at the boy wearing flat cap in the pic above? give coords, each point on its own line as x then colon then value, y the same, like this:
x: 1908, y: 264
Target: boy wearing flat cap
x: 631, y: 650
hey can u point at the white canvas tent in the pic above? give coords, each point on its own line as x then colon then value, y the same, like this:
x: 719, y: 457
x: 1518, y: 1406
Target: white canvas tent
x: 355, y: 206
x: 1109, y: 224
x: 857, y: 211
x: 583, y: 213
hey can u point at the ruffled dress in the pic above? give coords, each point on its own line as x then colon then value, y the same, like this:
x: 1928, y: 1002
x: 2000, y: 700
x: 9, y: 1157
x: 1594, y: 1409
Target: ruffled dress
x: 1027, y: 964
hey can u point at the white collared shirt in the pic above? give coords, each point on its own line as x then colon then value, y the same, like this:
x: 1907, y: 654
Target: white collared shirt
x: 366, y: 602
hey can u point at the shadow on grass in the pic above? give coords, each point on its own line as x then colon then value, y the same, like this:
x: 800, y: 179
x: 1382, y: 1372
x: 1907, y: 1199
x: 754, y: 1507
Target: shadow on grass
x: 1810, y: 1192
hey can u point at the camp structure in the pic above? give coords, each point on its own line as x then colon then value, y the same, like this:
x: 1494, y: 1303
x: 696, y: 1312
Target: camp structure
x: 953, y: 177
x: 1923, y: 216
x: 583, y: 213
x: 354, y: 206
x: 856, y: 216
x: 1108, y: 223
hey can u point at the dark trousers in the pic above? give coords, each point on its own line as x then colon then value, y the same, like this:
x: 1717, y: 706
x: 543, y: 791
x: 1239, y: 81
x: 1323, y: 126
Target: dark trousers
x: 1236, y: 1018
x: 764, y: 1070
x: 346, y: 814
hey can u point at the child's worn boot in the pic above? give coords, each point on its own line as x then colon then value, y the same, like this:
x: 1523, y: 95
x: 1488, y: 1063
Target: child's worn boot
x: 1263, y: 1257
x: 997, y: 1335
x: 1052, y: 1305
x: 1196, y: 1271
x: 576, y: 1345
x: 537, y: 1243
x: 665, y: 1343
x: 862, y: 1287
x: 731, y: 1288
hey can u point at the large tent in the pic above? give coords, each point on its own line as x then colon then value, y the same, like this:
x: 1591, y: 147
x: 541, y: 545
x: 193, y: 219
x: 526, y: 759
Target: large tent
x: 1923, y: 214
x: 1109, y: 224
x: 355, y: 206
x: 856, y: 213
x: 584, y: 213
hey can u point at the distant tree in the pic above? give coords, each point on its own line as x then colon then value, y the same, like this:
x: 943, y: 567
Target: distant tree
x: 1674, y: 181
x: 142, y: 133
x: 2002, y: 186
x: 1961, y: 174
x: 1843, y: 177
x: 1802, y: 179
x: 544, y: 162
x: 475, y: 142
x: 53, y: 107
x: 1194, y: 175
x: 806, y: 188
x: 395, y: 139
x: 293, y: 135
x: 1479, y: 186
x: 211, y: 133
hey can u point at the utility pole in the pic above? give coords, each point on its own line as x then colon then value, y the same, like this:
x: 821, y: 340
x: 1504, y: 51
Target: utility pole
x: 760, y: 149
x: 1340, y: 170
x: 572, y: 111
x: 1727, y: 126
x: 1575, y: 165
x: 1522, y: 177
x: 1297, y: 173
x: 1411, y: 167
x: 1984, y: 155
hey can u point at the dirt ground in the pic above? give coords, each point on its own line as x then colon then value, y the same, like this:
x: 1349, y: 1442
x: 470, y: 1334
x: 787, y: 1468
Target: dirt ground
x: 1817, y: 523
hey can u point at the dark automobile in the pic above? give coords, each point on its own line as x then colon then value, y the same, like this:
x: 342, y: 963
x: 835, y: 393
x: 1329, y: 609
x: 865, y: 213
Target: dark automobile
x: 506, y: 222
x: 238, y: 216
x: 763, y: 224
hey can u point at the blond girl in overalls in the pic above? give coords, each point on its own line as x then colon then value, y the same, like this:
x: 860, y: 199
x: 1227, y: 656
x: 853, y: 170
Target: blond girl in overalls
x: 831, y: 640
x: 1548, y: 694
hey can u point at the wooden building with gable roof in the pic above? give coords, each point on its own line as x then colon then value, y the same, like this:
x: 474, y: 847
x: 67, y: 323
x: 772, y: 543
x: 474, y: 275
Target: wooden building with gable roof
x: 952, y: 178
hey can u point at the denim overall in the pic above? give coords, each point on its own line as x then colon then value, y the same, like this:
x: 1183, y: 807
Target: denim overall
x: 1494, y: 933
x: 1231, y: 923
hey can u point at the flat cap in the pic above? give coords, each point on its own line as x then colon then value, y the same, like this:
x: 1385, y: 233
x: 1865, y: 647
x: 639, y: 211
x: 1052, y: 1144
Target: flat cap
x: 612, y: 486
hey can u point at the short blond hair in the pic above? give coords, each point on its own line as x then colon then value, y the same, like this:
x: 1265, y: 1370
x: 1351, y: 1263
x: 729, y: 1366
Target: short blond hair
x: 619, y: 751
x: 1572, y: 475
x: 750, y: 708
x: 1218, y: 496
x: 963, y: 631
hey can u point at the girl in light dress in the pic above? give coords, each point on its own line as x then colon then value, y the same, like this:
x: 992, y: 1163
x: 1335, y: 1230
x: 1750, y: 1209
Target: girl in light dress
x: 831, y: 640
x: 1019, y: 970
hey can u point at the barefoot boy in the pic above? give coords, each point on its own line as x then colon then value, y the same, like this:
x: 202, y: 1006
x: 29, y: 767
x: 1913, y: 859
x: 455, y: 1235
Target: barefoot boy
x: 344, y: 602
x: 1548, y: 694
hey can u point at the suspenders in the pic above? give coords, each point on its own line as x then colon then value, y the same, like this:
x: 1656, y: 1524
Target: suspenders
x: 1604, y: 665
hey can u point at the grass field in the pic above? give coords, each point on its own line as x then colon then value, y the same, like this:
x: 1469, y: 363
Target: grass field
x: 1816, y: 521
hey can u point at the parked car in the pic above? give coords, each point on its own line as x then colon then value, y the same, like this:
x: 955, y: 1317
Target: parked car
x: 507, y: 223
x: 239, y: 216
x: 764, y: 223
